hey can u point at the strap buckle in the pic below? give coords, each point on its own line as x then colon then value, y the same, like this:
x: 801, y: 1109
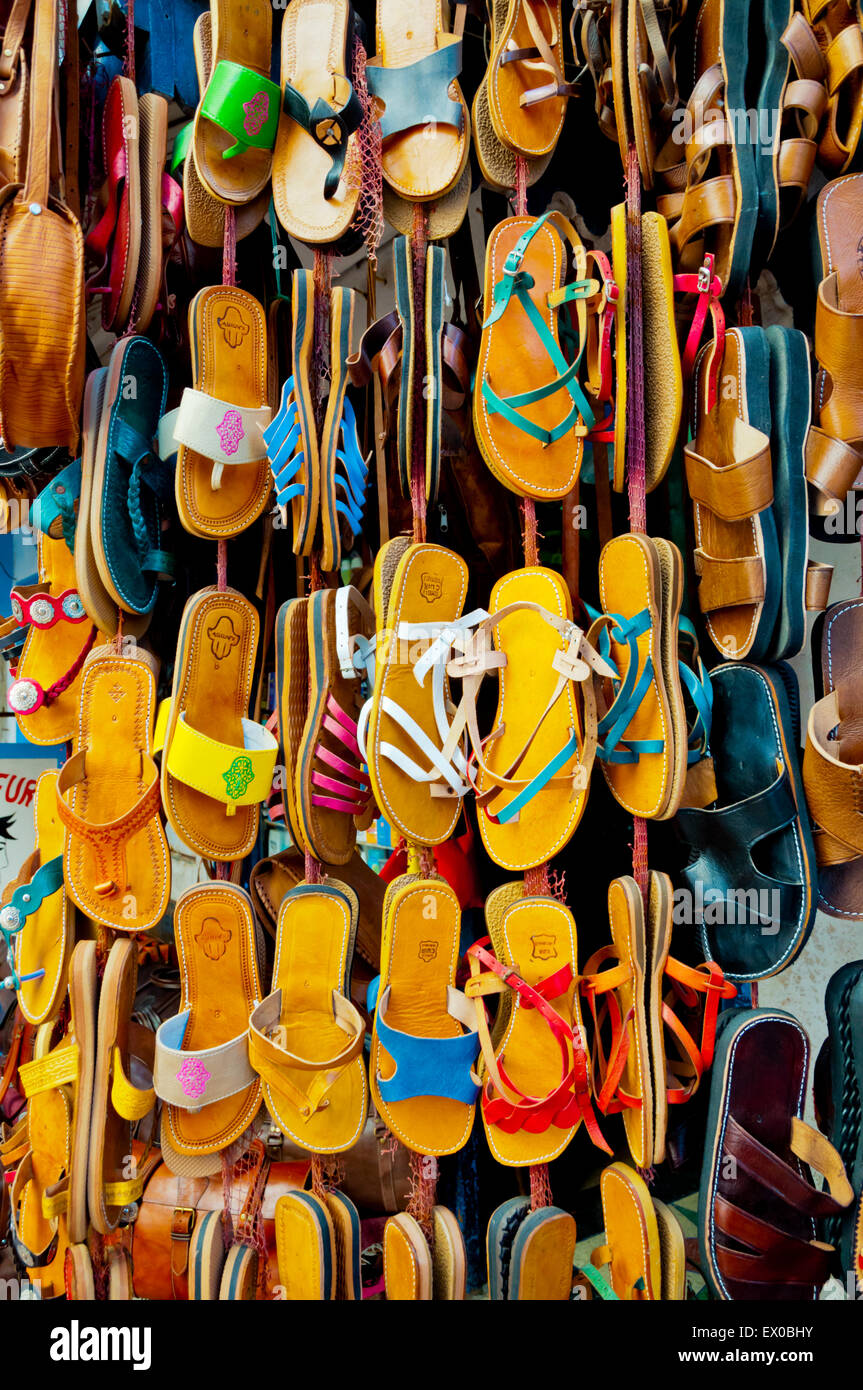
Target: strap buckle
x: 191, y: 1214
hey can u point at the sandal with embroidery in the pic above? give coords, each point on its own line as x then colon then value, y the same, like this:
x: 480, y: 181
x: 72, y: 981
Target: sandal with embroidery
x: 536, y: 1085
x: 533, y: 440
x: 116, y: 861
x: 316, y: 162
x: 332, y: 789
x: 424, y: 1038
x: 306, y: 1038
x: 238, y: 114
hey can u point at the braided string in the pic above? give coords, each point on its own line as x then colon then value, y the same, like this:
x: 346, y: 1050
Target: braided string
x: 65, y: 681
x: 136, y: 514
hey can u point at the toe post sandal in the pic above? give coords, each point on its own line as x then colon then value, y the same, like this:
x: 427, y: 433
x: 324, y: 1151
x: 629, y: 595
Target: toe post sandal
x: 632, y: 1251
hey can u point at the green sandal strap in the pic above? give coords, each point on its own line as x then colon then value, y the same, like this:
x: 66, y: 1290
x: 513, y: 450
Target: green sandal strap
x: 244, y: 104
x: 329, y: 127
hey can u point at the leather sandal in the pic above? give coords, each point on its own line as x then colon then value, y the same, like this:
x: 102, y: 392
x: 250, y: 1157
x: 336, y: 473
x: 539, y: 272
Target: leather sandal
x: 836, y: 26
x: 833, y: 759
x: 536, y: 1086
x: 843, y: 1005
x: 651, y: 97
x: 759, y: 1216
x: 202, y: 1071
x: 238, y: 114
x: 116, y: 861
x: 114, y: 243
x: 292, y: 701
x: 834, y: 450
x: 291, y: 438
x: 37, y: 917
x: 527, y: 90
x: 408, y: 1268
x: 424, y: 1038
x: 752, y: 866
x: 344, y: 471
x: 632, y: 1250
x: 530, y: 1253
x: 218, y: 765
x: 306, y: 1038
x: 317, y: 163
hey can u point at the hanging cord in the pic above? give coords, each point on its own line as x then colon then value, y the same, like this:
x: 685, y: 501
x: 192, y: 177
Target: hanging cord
x: 129, y: 64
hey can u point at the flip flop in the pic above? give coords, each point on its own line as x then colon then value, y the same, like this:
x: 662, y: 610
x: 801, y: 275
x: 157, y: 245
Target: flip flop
x: 71, y: 1064
x: 419, y: 593
x: 332, y: 790
x: 533, y: 440
x: 536, y: 1087
x: 527, y: 112
x: 317, y: 160
x: 533, y: 772
x: 757, y: 1216
x: 424, y: 1039
x: 205, y: 215
x: 237, y: 116
x: 306, y: 1038
x: 291, y: 438
x: 642, y: 733
x: 117, y: 1103
x: 218, y: 765
x: 39, y: 917
x: 222, y: 480
x: 305, y: 1241
x: 424, y: 152
x: 843, y: 1005
x: 36, y: 1155
x: 632, y: 1247
x: 131, y: 488
x: 202, y: 1070
x: 116, y: 861
x: 753, y: 847
x: 408, y: 1268
x: 832, y: 760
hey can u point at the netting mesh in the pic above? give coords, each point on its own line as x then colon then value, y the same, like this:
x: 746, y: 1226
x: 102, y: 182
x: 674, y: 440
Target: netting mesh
x: 540, y: 1186
x: 369, y: 218
x: 423, y: 1195
x: 243, y: 1183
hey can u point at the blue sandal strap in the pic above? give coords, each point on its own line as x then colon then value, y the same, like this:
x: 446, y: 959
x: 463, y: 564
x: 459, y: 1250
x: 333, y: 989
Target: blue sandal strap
x: 418, y: 93
x: 29, y: 897
x: 430, y: 1066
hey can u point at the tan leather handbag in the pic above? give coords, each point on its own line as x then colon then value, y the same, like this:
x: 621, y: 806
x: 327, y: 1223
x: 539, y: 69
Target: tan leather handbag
x: 42, y: 317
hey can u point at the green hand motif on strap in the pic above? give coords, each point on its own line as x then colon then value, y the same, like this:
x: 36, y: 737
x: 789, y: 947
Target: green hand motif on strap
x: 244, y: 104
x: 515, y: 281
x: 329, y: 126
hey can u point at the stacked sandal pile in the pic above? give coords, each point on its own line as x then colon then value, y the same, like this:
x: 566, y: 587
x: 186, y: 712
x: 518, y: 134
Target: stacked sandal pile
x: 367, y: 651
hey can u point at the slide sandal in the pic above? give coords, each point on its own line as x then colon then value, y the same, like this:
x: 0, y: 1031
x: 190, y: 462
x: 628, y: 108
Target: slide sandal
x: 218, y: 765
x: 424, y: 1035
x: 306, y: 1038
x: 116, y: 860
x: 202, y: 1070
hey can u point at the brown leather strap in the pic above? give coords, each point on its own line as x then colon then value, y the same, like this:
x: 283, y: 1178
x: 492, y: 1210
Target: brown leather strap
x: 38, y: 177
x: 834, y: 788
x: 13, y: 37
x: 734, y: 491
x: 772, y: 1172
x: 72, y: 69
x: 819, y: 577
x: 832, y: 469
x: 775, y: 1256
x: 728, y: 583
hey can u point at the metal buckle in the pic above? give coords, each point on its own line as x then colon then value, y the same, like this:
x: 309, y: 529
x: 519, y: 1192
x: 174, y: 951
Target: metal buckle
x: 192, y: 1213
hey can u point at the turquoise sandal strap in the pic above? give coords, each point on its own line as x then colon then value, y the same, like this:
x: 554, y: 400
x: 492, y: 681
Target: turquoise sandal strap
x: 418, y: 94
x: 536, y: 784
x: 244, y: 104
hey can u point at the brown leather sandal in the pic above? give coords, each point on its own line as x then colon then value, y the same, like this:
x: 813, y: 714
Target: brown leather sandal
x: 836, y: 25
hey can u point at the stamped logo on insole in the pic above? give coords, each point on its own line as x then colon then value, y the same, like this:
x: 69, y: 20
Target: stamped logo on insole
x: 431, y: 587
x: 233, y: 325
x: 544, y: 946
x: 213, y: 938
x: 222, y: 637
x: 427, y: 950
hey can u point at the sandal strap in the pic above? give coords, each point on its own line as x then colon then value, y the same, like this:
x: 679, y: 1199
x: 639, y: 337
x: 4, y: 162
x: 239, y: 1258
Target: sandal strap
x: 832, y: 470
x: 193, y: 1079
x: 108, y: 839
x: 243, y: 103
x: 422, y: 86
x: 329, y: 126
x: 609, y: 1067
x: 269, y: 1057
x: 29, y: 897
x: 228, y: 434
x: 834, y: 789
x: 767, y: 1168
x: 234, y: 776
x: 30, y: 1259
x: 774, y: 1256
x: 53, y: 512
x: 430, y: 1066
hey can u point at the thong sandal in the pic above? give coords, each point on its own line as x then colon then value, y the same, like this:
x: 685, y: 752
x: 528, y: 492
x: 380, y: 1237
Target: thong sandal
x: 527, y: 91
x: 237, y: 116
x: 306, y: 1038
x: 534, y: 770
x: 834, y: 448
x: 497, y: 162
x: 222, y: 481
x: 419, y: 593
x: 218, y: 765
x: 632, y: 1248
x: 752, y: 861
x: 202, y: 1069
x: 425, y: 125
x: 424, y: 1040
x: 317, y: 161
x: 758, y: 1215
x: 116, y: 862
x: 533, y: 440
x: 332, y: 789
x: 833, y: 759
x: 536, y: 1087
